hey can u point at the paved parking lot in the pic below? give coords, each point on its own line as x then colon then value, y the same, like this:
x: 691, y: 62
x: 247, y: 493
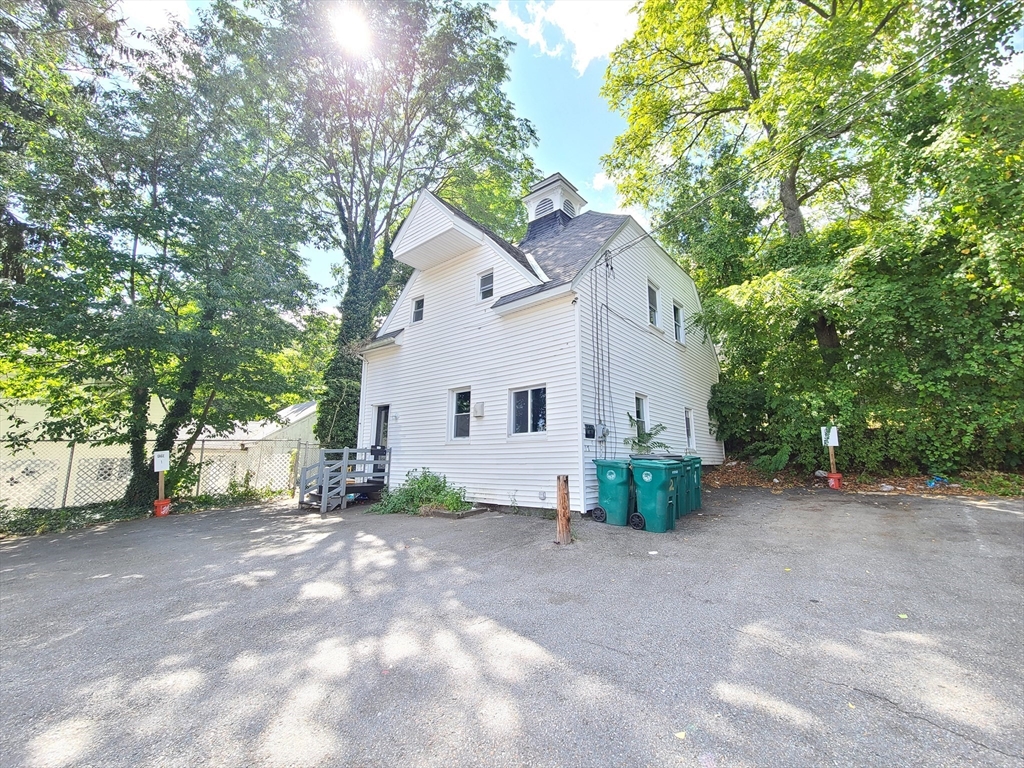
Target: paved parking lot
x: 793, y: 629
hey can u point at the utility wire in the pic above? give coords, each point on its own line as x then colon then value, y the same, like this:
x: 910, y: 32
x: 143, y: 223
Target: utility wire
x: 893, y: 79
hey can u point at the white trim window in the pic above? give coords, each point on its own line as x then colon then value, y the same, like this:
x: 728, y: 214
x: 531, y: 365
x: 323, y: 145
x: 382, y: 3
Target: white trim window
x: 680, y: 323
x: 461, y: 406
x: 691, y: 433
x: 652, y: 304
x: 528, y: 410
x: 487, y: 285
x: 417, y: 309
x: 640, y: 413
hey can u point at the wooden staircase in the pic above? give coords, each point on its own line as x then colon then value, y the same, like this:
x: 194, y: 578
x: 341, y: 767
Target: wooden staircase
x: 340, y: 472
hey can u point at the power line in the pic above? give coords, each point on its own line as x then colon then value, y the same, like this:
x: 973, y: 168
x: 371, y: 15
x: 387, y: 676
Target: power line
x: 896, y: 77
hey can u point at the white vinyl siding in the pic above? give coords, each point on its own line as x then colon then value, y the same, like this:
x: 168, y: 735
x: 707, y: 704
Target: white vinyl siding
x: 464, y: 344
x: 671, y: 375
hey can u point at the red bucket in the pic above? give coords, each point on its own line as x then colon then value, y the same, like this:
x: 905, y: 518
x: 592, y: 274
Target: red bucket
x: 835, y: 481
x: 161, y: 508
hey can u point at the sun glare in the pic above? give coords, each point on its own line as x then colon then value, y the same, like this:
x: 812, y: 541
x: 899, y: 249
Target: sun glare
x: 350, y: 29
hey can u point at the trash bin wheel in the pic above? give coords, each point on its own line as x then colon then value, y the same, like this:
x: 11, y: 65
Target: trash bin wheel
x: 599, y: 514
x: 637, y: 522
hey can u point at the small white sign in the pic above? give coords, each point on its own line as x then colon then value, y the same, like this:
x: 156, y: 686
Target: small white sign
x: 161, y: 461
x: 830, y: 436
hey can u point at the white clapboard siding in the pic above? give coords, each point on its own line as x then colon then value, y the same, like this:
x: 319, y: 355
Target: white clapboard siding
x: 432, y: 220
x: 462, y: 343
x: 643, y: 359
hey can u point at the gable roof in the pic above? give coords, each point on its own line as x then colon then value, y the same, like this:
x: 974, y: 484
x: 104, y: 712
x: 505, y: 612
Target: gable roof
x: 506, y: 246
x: 261, y: 430
x: 559, y: 244
x: 563, y: 244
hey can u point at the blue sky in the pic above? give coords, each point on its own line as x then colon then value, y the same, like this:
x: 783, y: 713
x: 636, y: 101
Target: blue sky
x: 557, y: 69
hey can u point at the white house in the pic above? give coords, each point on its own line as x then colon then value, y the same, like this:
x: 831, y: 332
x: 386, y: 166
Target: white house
x: 505, y: 366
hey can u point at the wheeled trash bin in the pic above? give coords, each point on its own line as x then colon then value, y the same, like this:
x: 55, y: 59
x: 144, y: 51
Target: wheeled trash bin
x: 614, y: 492
x: 656, y: 484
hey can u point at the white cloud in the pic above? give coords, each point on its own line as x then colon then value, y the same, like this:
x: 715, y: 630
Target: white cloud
x: 601, y: 181
x: 591, y: 28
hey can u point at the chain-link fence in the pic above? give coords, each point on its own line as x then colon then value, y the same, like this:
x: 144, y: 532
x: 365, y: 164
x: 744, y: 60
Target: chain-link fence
x: 50, y: 475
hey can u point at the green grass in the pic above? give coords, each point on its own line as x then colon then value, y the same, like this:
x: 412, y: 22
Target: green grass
x: 995, y: 483
x: 29, y: 522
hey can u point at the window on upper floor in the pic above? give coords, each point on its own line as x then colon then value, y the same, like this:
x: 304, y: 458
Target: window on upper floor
x: 652, y: 303
x: 640, y: 413
x: 691, y: 433
x: 680, y: 323
x: 417, y: 310
x: 487, y: 285
x: 529, y: 410
x: 460, y: 412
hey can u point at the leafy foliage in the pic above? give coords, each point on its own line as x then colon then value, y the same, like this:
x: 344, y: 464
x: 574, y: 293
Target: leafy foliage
x: 856, y: 236
x: 422, y: 489
x: 644, y: 441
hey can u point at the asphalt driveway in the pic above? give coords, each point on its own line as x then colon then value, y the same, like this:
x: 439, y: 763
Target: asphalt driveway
x: 793, y: 629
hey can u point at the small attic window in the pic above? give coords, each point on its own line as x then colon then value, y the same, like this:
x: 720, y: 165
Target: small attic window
x: 547, y: 205
x: 569, y: 208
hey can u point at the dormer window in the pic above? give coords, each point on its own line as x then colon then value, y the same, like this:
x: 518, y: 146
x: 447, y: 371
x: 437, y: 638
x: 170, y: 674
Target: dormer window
x: 486, y: 285
x: 547, y: 205
x: 569, y: 208
x: 417, y: 310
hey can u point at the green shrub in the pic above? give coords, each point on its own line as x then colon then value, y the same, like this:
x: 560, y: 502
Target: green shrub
x: 420, y: 489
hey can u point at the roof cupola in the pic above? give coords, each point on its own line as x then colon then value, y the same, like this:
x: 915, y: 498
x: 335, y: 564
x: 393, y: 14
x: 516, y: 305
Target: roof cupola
x: 554, y: 193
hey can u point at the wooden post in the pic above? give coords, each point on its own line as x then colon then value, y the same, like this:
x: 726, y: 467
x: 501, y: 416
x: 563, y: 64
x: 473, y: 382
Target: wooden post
x: 832, y: 458
x: 160, y: 485
x: 564, y: 533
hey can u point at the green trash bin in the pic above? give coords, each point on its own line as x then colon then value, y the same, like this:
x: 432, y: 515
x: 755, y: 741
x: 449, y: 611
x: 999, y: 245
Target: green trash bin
x: 614, y: 492
x: 656, y: 483
x: 695, y: 492
x: 685, y: 506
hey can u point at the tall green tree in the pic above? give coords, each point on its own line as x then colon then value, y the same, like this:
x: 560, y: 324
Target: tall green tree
x: 421, y: 106
x: 847, y: 129
x: 787, y: 81
x: 175, y: 276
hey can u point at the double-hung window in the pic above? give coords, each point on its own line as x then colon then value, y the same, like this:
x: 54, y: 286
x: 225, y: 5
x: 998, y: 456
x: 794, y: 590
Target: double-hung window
x: 680, y: 323
x: 640, y: 414
x: 486, y: 286
x: 691, y: 433
x: 460, y: 413
x: 417, y: 310
x: 529, y: 410
x: 652, y: 304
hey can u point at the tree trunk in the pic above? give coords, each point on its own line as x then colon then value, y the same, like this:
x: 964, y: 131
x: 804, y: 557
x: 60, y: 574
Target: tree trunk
x: 178, y: 415
x: 828, y: 340
x: 791, y: 203
x: 142, y: 485
x: 824, y: 329
x: 337, y: 424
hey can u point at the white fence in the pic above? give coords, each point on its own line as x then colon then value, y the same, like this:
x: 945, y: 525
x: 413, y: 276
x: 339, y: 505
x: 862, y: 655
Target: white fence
x: 50, y: 475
